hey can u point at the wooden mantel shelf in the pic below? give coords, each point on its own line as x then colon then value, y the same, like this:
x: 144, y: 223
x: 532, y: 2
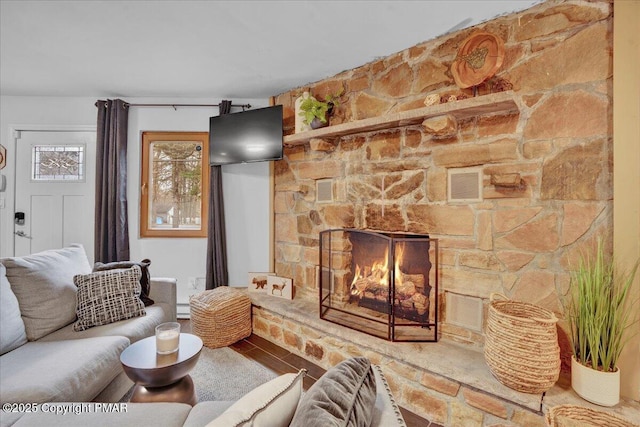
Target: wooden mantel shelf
x: 501, y: 102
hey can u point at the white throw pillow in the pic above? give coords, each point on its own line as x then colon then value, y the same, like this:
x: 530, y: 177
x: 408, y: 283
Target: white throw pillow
x: 43, y: 284
x: 12, y: 333
x: 272, y: 404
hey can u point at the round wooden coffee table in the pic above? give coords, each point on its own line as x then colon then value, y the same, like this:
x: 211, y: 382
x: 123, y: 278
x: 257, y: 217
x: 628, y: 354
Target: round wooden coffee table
x: 162, y: 377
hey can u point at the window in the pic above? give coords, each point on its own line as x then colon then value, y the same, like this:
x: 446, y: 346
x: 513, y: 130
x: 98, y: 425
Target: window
x: 174, y: 184
x: 57, y: 163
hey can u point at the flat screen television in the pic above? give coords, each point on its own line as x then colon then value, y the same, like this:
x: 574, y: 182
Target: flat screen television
x: 248, y: 136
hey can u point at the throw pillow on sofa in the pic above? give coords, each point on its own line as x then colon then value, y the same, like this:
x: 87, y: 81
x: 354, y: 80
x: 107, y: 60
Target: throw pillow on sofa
x: 108, y: 296
x: 145, y: 279
x: 344, y: 396
x: 12, y: 333
x: 43, y: 284
x: 270, y: 405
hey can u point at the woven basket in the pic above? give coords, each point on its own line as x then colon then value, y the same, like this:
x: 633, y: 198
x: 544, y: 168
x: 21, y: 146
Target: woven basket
x: 521, y: 345
x: 579, y: 416
x: 220, y: 316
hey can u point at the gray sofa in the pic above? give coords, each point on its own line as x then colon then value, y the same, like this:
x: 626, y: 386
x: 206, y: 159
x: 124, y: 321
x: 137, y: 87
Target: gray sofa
x: 43, y: 359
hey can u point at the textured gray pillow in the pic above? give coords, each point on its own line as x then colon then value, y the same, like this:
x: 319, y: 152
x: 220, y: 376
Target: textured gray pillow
x: 12, y: 333
x: 108, y: 296
x: 344, y: 396
x: 43, y: 284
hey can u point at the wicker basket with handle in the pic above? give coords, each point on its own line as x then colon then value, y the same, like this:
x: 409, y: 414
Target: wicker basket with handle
x: 521, y: 345
x: 580, y: 416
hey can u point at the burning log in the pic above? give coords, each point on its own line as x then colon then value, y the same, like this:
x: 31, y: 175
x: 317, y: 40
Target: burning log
x: 416, y: 279
x: 420, y: 302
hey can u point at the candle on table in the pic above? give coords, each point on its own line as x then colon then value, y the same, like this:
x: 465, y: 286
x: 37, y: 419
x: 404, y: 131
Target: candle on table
x: 167, y: 337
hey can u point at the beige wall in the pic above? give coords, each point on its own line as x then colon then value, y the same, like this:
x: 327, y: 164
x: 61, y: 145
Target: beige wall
x: 626, y: 159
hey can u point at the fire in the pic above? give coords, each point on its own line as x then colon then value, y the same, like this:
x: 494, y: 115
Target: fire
x: 378, y: 273
x: 399, y: 258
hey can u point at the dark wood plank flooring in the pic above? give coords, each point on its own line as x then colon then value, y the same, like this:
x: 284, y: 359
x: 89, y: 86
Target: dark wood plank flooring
x: 283, y: 361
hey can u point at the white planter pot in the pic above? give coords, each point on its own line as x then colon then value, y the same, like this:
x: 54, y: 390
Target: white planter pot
x: 601, y: 388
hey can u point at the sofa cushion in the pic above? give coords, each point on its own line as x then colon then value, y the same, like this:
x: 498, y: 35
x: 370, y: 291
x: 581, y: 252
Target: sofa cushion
x: 145, y: 279
x: 344, y: 396
x: 272, y: 404
x: 206, y: 411
x: 43, y: 284
x: 60, y: 371
x: 135, y: 328
x: 108, y: 296
x: 81, y: 414
x: 12, y: 333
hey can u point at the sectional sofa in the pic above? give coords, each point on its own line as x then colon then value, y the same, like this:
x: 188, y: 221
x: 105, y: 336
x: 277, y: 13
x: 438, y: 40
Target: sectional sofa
x: 60, y: 362
x: 43, y: 357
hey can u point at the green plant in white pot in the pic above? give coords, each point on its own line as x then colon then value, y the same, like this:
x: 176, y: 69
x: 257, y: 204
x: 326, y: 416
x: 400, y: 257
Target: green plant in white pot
x: 600, y: 318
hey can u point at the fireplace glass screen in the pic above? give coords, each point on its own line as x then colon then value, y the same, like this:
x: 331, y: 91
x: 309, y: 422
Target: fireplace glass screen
x: 382, y: 284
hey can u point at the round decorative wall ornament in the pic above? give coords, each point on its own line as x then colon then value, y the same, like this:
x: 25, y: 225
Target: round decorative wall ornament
x: 3, y: 157
x: 479, y: 58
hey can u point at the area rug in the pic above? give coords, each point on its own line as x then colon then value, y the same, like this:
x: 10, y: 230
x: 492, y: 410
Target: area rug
x: 224, y: 374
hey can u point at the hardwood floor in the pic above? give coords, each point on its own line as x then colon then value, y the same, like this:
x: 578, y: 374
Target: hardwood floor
x: 283, y: 361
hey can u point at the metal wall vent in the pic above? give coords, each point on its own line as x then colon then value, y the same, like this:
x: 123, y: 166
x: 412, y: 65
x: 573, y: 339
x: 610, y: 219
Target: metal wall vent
x: 324, y: 190
x: 464, y: 311
x: 465, y: 185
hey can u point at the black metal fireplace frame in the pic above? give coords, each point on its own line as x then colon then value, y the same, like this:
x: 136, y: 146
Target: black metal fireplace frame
x: 390, y: 308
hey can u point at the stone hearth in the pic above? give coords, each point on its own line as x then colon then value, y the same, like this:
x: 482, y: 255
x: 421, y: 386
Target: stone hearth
x: 445, y: 382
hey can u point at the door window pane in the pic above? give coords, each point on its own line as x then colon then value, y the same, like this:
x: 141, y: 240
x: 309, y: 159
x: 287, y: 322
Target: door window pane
x: 58, y: 163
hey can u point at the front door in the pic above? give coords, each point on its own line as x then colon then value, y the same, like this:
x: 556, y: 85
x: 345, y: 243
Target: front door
x: 55, y: 178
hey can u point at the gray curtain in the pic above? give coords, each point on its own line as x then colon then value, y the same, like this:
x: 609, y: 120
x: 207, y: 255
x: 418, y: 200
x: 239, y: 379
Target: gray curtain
x: 217, y: 273
x: 111, y: 224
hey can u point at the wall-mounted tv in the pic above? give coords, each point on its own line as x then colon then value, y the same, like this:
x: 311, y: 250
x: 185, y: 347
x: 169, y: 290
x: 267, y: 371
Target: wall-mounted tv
x: 248, y: 136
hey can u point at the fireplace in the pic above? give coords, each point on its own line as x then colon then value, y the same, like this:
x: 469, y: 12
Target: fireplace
x: 383, y: 284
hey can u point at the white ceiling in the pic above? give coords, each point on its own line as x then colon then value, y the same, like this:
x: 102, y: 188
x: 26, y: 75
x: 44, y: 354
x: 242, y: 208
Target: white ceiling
x: 229, y: 49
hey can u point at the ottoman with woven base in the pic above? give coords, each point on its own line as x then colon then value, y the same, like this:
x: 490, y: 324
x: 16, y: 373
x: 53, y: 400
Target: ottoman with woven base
x: 220, y: 316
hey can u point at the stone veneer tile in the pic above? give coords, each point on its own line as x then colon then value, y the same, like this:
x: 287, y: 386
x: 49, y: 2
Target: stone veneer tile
x: 575, y: 114
x: 439, y: 384
x: 524, y: 418
x: 314, y: 350
x: 538, y: 235
x: 433, y: 408
x: 485, y: 402
x: 577, y: 219
x: 477, y: 154
x: 292, y: 340
x: 566, y: 63
x: 275, y: 331
x: 464, y: 416
x: 403, y: 370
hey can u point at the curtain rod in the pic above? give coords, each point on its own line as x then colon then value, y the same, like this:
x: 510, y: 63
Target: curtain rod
x: 244, y: 106
x: 174, y: 106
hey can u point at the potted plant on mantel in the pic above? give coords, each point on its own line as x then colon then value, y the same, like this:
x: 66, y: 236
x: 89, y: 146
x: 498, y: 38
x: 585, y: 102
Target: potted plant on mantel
x: 600, y: 317
x: 316, y: 113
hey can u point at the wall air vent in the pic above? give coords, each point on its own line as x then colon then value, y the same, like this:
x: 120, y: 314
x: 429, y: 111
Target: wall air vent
x: 324, y: 190
x: 464, y: 185
x: 464, y: 311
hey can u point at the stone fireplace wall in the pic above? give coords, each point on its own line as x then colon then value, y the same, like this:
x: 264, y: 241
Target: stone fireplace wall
x: 547, y: 186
